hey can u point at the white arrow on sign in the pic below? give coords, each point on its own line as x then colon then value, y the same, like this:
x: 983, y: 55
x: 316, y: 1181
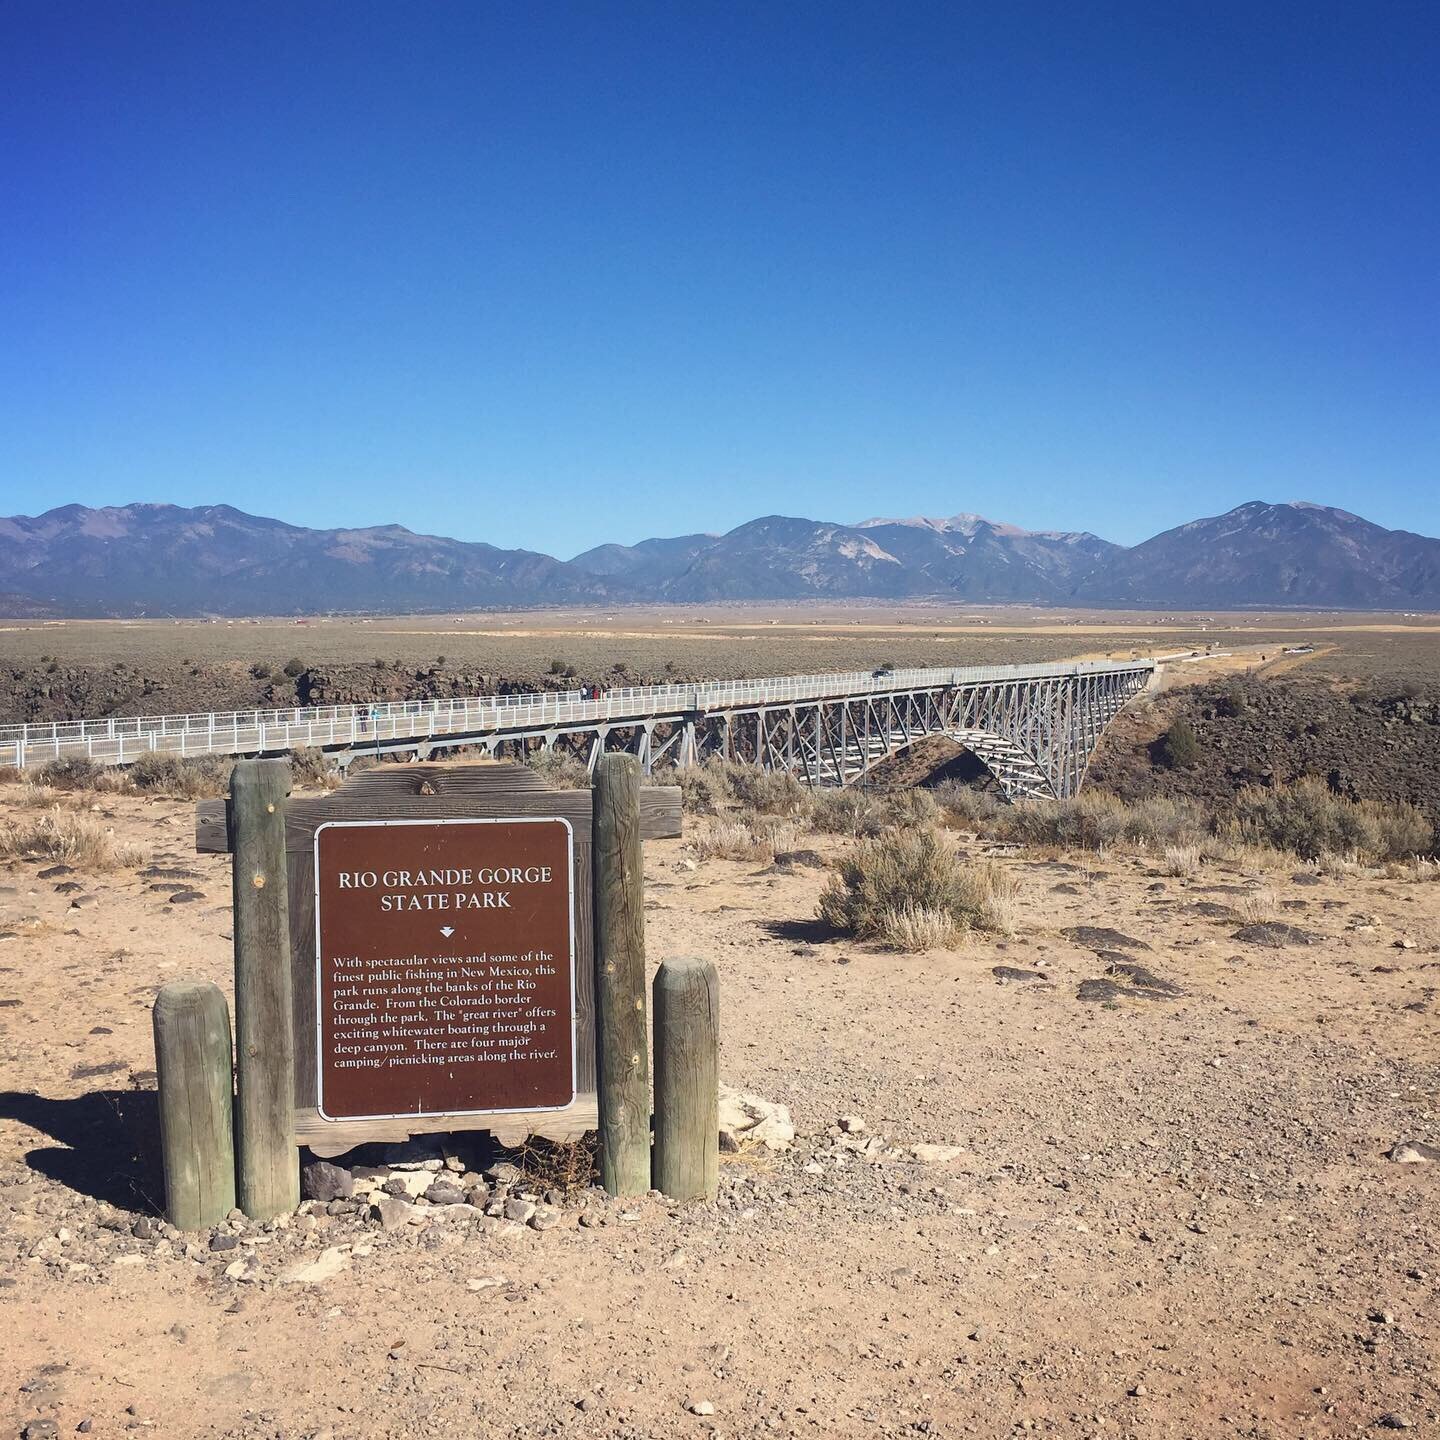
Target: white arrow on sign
x: 447, y: 931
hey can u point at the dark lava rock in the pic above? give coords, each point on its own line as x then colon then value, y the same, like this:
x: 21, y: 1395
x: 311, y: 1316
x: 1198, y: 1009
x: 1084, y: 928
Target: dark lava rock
x: 1306, y: 877
x: 1144, y: 979
x: 1010, y: 975
x: 1100, y: 990
x: 53, y: 872
x: 320, y: 1180
x: 224, y: 1240
x: 1102, y: 935
x: 1273, y: 934
x: 445, y: 1192
x: 1212, y: 910
x: 800, y: 860
x: 169, y: 872
x: 185, y: 897
x: 1064, y: 888
x: 68, y: 887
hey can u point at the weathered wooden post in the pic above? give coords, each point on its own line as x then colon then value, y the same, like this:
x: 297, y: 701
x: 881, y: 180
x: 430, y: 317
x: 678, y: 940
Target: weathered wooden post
x: 197, y: 1098
x: 268, y: 1169
x: 687, y: 1080
x: 622, y: 1064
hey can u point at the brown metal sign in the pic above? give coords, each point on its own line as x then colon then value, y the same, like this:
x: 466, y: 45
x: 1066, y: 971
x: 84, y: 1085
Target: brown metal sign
x: 444, y: 967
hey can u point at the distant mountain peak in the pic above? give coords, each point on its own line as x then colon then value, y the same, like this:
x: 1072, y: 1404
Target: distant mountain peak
x: 163, y: 559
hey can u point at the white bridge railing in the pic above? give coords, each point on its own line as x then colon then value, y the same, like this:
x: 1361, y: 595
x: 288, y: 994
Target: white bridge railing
x: 246, y: 732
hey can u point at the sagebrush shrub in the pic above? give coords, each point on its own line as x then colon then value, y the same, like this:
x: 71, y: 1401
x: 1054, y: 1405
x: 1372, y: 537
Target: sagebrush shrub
x: 894, y: 886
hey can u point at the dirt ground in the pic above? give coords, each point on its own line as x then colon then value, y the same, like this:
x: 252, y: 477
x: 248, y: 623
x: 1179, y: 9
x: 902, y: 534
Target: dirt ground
x: 1164, y: 1214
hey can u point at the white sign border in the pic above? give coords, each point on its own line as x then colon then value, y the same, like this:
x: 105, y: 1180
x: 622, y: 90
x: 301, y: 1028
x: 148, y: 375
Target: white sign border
x: 319, y: 959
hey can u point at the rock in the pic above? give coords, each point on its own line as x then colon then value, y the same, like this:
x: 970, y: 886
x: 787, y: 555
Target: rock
x: 519, y: 1210
x: 936, y: 1154
x: 800, y: 859
x: 143, y: 1228
x: 851, y: 1124
x: 185, y: 897
x: 1103, y: 936
x: 750, y: 1119
x: 701, y: 1407
x: 1273, y: 934
x: 503, y: 1173
x: 409, y: 1184
x: 1413, y: 1152
x: 69, y: 887
x: 223, y: 1240
x: 546, y: 1217
x: 1142, y: 978
x: 52, y: 872
x: 325, y: 1266
x: 1010, y: 975
x: 392, y: 1213
x: 478, y: 1196
x: 39, y: 1430
x: 246, y: 1270
x: 320, y: 1180
x: 445, y: 1192
x: 1392, y: 1421
x: 420, y: 1153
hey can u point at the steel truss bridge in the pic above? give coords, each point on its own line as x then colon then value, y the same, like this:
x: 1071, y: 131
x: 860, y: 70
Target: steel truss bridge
x: 1033, y: 726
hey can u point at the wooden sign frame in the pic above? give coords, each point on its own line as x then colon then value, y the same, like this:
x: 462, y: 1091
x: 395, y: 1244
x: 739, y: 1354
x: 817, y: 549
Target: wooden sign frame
x: 435, y: 791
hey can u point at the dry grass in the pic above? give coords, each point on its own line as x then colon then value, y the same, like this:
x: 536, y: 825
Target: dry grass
x: 1181, y: 861
x: 910, y: 891
x: 1259, y: 907
x: 68, y: 838
x: 753, y: 837
x: 559, y: 769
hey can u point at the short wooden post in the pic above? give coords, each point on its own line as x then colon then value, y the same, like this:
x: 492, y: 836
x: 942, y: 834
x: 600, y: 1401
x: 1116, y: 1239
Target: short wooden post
x: 268, y: 1164
x: 197, y: 1098
x: 622, y: 1062
x: 687, y: 1080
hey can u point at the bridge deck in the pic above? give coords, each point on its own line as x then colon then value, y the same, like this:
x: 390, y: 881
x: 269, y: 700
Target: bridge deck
x: 119, y: 740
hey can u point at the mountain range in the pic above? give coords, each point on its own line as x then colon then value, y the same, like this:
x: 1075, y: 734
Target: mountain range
x: 164, y: 560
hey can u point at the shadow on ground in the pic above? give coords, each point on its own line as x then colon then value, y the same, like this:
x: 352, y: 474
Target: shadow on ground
x: 109, y: 1143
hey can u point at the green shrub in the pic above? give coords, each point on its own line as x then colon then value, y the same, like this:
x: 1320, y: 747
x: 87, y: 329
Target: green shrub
x: 294, y: 666
x: 1180, y: 747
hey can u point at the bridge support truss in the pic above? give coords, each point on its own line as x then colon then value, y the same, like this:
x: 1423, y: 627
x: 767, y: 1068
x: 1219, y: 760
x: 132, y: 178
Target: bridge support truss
x: 1035, y: 737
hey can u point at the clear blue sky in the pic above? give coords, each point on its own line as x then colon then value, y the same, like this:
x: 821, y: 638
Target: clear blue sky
x: 547, y: 274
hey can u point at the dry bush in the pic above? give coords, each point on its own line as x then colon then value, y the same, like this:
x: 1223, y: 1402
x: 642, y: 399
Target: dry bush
x: 1181, y: 861
x: 180, y: 777
x: 1310, y: 820
x: 1094, y: 820
x: 767, y: 792
x: 558, y: 1165
x: 906, y: 884
x: 750, y: 837
x: 969, y: 805
x: 69, y: 772
x: 1260, y: 906
x: 71, y: 839
x: 312, y: 768
x: 846, y: 812
x: 704, y: 789
x: 559, y: 769
x: 10, y: 775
